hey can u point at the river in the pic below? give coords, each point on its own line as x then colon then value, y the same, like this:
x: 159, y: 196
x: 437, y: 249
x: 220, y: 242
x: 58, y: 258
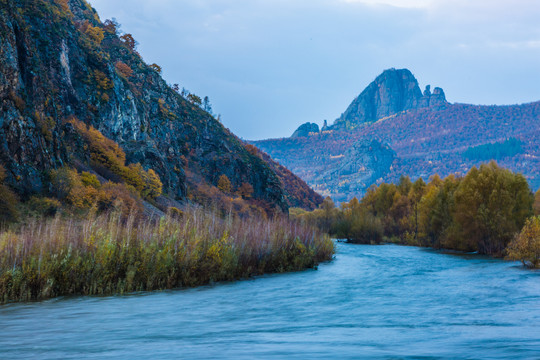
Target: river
x: 370, y: 302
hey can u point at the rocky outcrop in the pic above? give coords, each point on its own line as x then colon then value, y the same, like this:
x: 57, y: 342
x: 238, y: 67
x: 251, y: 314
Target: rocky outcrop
x: 435, y: 100
x: 305, y: 129
x: 392, y: 92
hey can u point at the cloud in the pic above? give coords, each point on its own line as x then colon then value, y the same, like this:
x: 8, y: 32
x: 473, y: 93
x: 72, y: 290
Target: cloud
x: 395, y: 3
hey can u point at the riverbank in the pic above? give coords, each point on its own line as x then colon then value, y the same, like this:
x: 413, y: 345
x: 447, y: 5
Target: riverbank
x: 371, y: 302
x: 109, y: 254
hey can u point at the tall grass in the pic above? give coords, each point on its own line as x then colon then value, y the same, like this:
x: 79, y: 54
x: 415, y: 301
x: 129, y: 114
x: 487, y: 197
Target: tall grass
x: 109, y: 254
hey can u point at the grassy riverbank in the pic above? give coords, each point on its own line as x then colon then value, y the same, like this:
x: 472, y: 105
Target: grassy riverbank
x: 108, y: 254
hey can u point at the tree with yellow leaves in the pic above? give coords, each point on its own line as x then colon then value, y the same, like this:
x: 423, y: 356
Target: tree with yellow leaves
x: 224, y: 184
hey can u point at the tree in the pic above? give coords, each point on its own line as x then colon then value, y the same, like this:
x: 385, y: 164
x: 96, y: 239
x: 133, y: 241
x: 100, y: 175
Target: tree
x: 206, y: 105
x: 123, y: 70
x: 245, y: 190
x: 156, y: 68
x: 536, y: 205
x: 224, y: 184
x: 328, y: 214
x: 526, y: 246
x: 491, y: 205
x: 194, y: 99
x: 129, y: 41
x: 8, y: 201
x: 416, y: 193
x: 152, y: 184
x: 111, y: 26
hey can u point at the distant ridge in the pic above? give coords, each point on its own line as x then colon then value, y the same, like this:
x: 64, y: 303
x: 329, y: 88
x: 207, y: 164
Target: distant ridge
x: 393, y: 129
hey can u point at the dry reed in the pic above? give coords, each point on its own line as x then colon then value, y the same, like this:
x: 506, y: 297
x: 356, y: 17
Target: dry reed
x: 111, y: 254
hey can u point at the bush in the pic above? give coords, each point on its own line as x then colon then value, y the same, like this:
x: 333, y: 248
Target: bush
x: 43, y: 206
x: 105, y: 154
x: 9, y: 211
x: 526, y: 246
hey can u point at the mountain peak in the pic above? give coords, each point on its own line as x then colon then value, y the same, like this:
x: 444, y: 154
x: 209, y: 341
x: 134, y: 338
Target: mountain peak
x: 393, y: 91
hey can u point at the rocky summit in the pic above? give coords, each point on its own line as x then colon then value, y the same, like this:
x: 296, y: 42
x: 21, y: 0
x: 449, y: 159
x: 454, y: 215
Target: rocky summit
x: 392, y: 92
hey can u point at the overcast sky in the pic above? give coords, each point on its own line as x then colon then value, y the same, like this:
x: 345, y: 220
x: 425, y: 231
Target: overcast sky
x: 270, y: 65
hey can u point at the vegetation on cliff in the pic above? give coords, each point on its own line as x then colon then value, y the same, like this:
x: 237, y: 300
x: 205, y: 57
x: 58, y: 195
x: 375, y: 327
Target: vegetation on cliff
x: 483, y: 212
x: 76, y: 93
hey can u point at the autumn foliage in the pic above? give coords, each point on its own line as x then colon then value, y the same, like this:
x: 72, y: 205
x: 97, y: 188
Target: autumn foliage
x: 109, y: 159
x: 526, y: 245
x: 481, y: 211
x: 104, y: 254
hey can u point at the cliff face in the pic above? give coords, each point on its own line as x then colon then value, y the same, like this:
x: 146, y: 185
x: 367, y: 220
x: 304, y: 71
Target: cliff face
x: 59, y: 61
x: 390, y: 93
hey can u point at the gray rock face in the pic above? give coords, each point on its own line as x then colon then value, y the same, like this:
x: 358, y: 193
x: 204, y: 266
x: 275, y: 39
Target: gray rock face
x: 392, y: 92
x: 304, y: 130
x: 435, y: 100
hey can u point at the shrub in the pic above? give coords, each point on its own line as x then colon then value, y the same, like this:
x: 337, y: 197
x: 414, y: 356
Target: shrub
x: 123, y: 70
x: 156, y: 68
x: 43, y: 206
x: 119, y: 197
x: 224, y: 184
x: 105, y: 153
x: 9, y: 211
x: 102, y: 81
x: 526, y: 246
x: 89, y: 179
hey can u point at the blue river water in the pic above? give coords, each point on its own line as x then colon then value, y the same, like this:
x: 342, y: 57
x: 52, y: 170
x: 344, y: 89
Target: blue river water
x: 373, y: 302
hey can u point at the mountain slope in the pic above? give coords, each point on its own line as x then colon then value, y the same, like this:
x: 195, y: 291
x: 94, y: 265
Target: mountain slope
x: 441, y: 138
x: 60, y: 62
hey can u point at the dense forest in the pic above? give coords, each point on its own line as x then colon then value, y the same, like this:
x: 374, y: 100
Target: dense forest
x: 484, y: 211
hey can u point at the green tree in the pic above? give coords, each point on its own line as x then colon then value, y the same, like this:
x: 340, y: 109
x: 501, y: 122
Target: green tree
x: 491, y: 205
x: 536, y: 205
x: 526, y: 246
x: 194, y: 99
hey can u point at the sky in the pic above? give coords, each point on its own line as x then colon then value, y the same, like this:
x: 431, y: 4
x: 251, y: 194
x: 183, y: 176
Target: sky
x: 269, y: 66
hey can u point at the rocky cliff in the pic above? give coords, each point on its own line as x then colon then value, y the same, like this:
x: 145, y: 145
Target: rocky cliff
x: 305, y: 129
x: 390, y: 93
x: 60, y: 62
